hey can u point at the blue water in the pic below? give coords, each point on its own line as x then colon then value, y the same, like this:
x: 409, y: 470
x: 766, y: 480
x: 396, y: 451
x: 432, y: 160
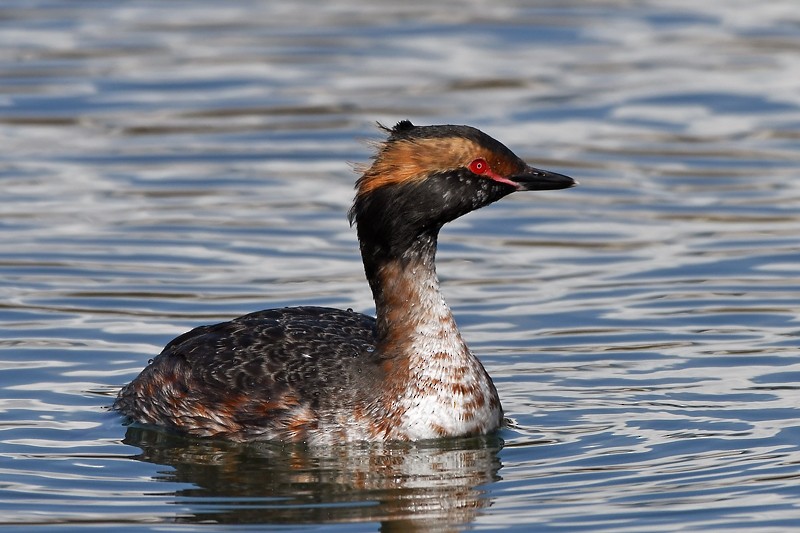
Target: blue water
x: 169, y: 164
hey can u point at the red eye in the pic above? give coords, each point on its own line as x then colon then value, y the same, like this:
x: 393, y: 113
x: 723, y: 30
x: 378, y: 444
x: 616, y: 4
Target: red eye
x: 479, y: 166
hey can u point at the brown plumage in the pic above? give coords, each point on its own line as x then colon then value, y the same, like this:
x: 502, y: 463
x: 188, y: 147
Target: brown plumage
x: 324, y: 375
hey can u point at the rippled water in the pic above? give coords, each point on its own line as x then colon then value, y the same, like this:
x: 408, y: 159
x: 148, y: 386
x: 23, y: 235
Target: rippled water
x: 168, y: 164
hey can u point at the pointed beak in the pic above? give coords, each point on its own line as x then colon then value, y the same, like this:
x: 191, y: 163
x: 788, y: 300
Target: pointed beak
x: 534, y: 179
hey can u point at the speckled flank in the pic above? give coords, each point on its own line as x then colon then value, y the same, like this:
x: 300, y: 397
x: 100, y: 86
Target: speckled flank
x: 291, y: 374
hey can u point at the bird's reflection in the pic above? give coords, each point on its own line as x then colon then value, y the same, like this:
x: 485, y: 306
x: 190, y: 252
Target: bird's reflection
x: 424, y: 486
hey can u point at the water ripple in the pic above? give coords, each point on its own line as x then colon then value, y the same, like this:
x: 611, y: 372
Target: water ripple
x: 191, y: 165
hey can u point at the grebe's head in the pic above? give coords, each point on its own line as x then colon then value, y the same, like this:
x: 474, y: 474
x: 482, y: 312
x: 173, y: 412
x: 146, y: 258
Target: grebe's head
x: 426, y: 176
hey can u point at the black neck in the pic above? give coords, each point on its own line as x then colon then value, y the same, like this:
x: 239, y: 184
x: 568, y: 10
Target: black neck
x: 398, y: 227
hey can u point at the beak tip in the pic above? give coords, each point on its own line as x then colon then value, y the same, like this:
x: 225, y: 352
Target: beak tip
x: 543, y: 180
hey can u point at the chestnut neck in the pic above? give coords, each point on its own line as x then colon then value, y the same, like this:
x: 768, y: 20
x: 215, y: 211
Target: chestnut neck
x: 404, y: 286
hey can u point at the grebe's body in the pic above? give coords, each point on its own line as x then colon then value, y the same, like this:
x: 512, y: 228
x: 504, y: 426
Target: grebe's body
x: 320, y: 375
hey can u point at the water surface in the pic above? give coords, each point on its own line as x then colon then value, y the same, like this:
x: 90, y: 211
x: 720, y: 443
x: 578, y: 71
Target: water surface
x: 169, y: 164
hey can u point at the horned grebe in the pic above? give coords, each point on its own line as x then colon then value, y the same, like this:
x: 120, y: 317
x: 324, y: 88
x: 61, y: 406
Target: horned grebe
x: 321, y: 375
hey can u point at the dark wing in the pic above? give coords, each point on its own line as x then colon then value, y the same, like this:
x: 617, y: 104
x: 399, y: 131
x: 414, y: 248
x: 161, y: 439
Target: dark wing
x: 270, y: 368
x: 303, y: 346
